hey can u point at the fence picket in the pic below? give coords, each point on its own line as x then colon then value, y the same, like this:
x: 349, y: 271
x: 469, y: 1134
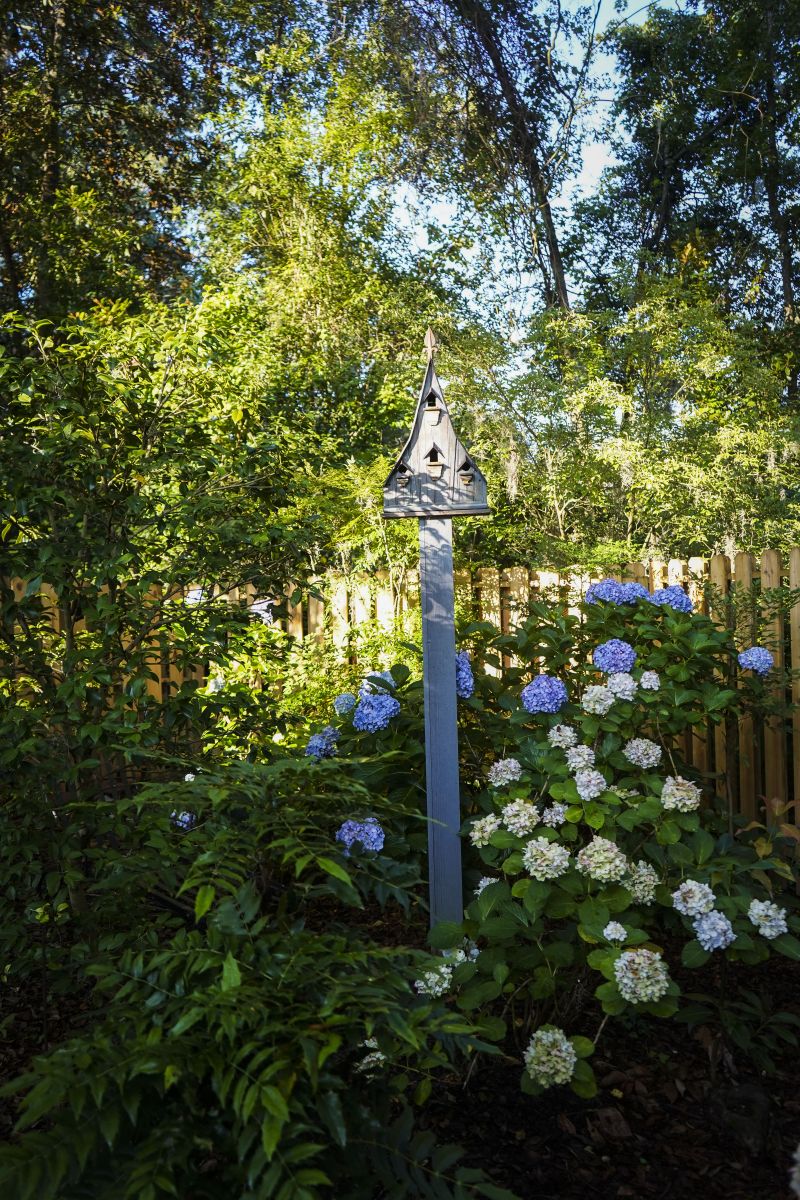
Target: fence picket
x: 719, y: 571
x: 794, y: 662
x: 748, y: 775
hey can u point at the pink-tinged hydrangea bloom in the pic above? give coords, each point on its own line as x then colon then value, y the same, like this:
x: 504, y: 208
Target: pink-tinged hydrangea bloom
x: 545, y: 860
x: 692, y: 899
x: 602, y: 860
x: 641, y: 976
x: 680, y: 795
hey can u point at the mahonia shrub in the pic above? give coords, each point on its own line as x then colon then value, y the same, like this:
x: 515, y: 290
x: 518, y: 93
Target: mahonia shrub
x: 596, y: 858
x: 247, y: 1037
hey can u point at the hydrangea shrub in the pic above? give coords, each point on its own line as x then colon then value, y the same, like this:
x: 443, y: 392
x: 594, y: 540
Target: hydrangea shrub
x: 594, y: 852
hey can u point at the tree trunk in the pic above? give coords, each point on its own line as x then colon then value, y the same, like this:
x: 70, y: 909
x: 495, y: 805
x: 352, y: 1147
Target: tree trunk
x: 474, y: 13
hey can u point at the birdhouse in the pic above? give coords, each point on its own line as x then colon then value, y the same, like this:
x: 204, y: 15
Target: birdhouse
x: 434, y: 475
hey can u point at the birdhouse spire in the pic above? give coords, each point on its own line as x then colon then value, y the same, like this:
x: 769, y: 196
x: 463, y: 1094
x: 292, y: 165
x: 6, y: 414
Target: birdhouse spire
x: 434, y: 476
x: 431, y: 345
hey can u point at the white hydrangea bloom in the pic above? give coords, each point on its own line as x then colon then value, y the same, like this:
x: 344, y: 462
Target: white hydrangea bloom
x: 794, y: 1177
x: 642, y: 881
x: 768, y: 918
x: 579, y: 757
x: 550, y: 1057
x: 692, y: 899
x: 482, y: 830
x: 597, y: 699
x: 680, y: 794
x: 372, y: 1061
x: 642, y: 752
x: 562, y: 736
x: 622, y: 684
x: 520, y: 817
x: 545, y: 860
x: 188, y: 778
x: 484, y: 883
x: 505, y: 770
x: 650, y: 681
x: 555, y: 815
x: 602, y: 860
x: 589, y: 784
x: 456, y: 957
x: 641, y: 976
x: 714, y: 931
x: 436, y: 981
x: 614, y: 932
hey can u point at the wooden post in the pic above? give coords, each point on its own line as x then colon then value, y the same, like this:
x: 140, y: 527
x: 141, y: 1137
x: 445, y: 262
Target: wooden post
x: 720, y: 577
x: 794, y: 635
x: 774, y: 734
x: 748, y: 806
x: 490, y: 607
x: 441, y: 730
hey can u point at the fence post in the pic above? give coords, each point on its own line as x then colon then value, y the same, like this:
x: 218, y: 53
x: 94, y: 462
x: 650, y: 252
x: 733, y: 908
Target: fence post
x: 726, y: 784
x: 794, y: 660
x: 774, y: 731
x: 748, y: 806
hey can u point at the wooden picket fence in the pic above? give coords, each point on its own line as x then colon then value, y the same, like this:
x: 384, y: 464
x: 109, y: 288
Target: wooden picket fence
x: 749, y: 762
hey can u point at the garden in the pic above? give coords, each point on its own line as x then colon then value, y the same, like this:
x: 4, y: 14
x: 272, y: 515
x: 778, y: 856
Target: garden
x: 338, y: 861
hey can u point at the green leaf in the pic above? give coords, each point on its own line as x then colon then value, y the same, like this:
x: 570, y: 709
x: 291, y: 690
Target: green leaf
x: 583, y: 1046
x: 787, y: 944
x: 446, y: 935
x: 231, y: 975
x: 329, y: 1107
x: 186, y: 1021
x: 583, y: 1082
x: 203, y: 900
x: 335, y: 869
x: 693, y: 954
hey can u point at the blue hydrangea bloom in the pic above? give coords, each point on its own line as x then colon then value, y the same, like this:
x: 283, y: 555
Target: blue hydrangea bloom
x: 371, y: 685
x: 323, y: 745
x: 183, y: 820
x: 631, y: 592
x: 756, y: 659
x: 465, y: 683
x: 375, y: 710
x: 344, y: 703
x: 604, y: 589
x: 545, y: 693
x: 614, y: 656
x: 368, y: 833
x: 673, y: 597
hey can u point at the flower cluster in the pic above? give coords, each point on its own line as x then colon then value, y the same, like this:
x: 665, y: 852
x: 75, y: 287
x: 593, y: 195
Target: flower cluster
x: 597, y: 700
x: 641, y: 881
x: 714, y: 931
x: 756, y: 659
x: 323, y: 745
x: 602, y: 860
x: 371, y: 684
x: 344, y: 703
x: 769, y: 920
x: 189, y: 778
x: 376, y: 1058
x: 614, y: 656
x: 641, y: 752
x: 505, y: 770
x: 680, y: 794
x: 183, y: 820
x: 673, y: 597
x: 465, y: 681
x: 590, y: 784
x: 612, y: 592
x: 622, y: 684
x: 368, y: 833
x: 520, y: 817
x: 436, y: 981
x: 614, y: 932
x: 692, y: 899
x: 545, y: 860
x: 375, y: 710
x: 483, y: 883
x: 550, y: 1057
x: 641, y: 976
x: 562, y: 737
x: 482, y: 830
x: 650, y: 681
x: 545, y: 693
x: 579, y: 757
x: 555, y: 815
